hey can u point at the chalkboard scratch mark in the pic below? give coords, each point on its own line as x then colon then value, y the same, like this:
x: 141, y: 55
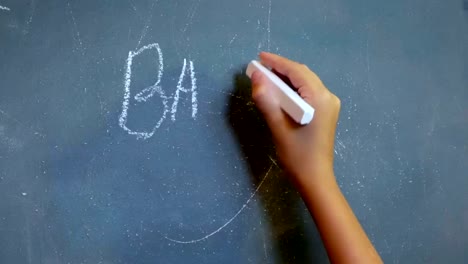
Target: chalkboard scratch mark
x: 129, y: 32
x: 173, y: 36
x: 230, y: 50
x: 130, y: 2
x: 214, y: 113
x: 4, y: 8
x: 9, y: 143
x: 10, y: 117
x: 233, y: 38
x: 435, y: 118
x: 258, y: 28
x: 264, y: 242
x: 269, y: 26
x: 191, y: 15
x: 5, y: 114
x: 28, y: 240
x: 144, y: 31
x: 31, y: 16
x: 101, y: 103
x: 368, y: 62
x: 339, y: 147
x: 75, y: 27
x: 232, y: 218
x: 224, y: 92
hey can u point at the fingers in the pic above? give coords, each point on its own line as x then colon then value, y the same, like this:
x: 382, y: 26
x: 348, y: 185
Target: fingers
x: 295, y: 72
x: 267, y: 102
x: 305, y: 81
x: 278, y: 63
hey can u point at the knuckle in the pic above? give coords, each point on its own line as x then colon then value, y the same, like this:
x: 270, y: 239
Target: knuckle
x: 303, y: 66
x: 338, y: 104
x: 337, y: 100
x: 331, y: 100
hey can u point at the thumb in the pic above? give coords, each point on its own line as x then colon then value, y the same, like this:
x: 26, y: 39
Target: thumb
x: 265, y: 98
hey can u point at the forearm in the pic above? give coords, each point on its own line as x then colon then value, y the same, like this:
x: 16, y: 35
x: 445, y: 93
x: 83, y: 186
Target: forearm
x: 343, y: 236
x: 305, y: 149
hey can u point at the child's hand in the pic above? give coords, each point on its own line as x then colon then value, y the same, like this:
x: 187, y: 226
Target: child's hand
x: 306, y: 152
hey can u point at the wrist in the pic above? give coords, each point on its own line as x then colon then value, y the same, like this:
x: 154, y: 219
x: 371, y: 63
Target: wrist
x: 314, y: 181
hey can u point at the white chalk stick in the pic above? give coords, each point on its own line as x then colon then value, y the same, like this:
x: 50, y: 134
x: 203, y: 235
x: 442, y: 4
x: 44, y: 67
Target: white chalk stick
x: 290, y: 101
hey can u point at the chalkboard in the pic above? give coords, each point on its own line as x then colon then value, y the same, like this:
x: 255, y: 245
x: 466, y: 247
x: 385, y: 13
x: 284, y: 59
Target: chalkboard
x: 127, y: 133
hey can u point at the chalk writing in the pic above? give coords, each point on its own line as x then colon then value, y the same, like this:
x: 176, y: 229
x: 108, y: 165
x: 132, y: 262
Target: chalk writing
x: 180, y: 88
x: 156, y: 88
x: 192, y: 241
x: 141, y: 97
x: 4, y: 8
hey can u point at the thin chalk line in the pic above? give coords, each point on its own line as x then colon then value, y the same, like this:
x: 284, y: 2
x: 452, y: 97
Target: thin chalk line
x: 20, y: 123
x: 269, y: 26
x: 10, y: 117
x: 191, y: 15
x: 75, y: 26
x: 31, y: 16
x: 368, y: 63
x: 232, y: 218
x: 148, y: 22
x: 173, y: 37
x: 224, y: 92
x: 5, y: 8
x: 233, y: 38
x: 132, y: 5
x: 264, y: 244
x: 125, y: 105
x: 144, y: 31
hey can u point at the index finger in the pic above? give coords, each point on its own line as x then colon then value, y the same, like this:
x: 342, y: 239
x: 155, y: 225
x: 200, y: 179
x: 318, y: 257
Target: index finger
x: 291, y: 69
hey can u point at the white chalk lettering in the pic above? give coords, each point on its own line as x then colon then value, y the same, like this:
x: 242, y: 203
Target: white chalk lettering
x: 143, y: 95
x: 180, y: 88
x: 156, y: 88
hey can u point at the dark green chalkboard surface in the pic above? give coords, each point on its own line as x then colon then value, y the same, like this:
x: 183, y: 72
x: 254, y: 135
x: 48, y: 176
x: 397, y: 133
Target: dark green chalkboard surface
x: 127, y: 134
